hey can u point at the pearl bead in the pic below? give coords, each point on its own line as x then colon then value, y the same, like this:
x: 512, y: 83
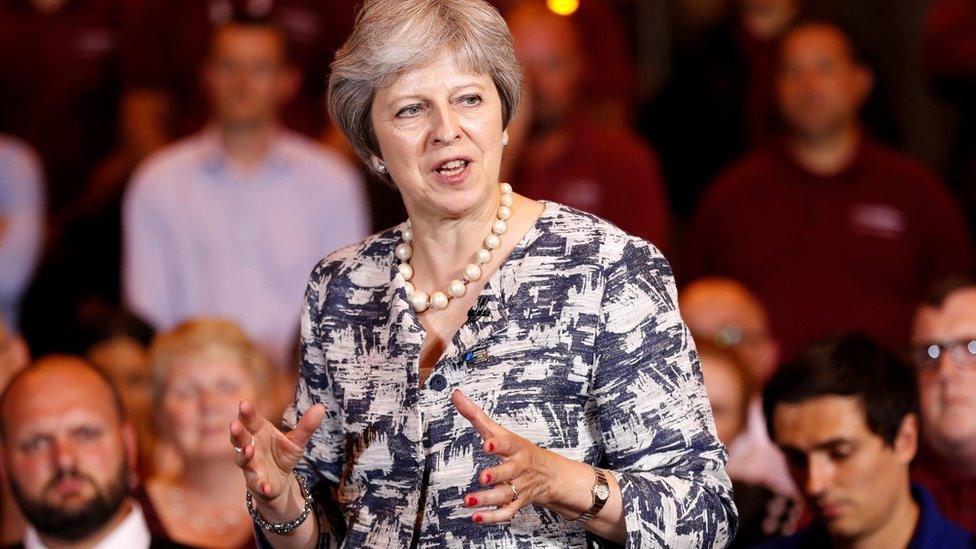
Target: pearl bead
x: 456, y: 288
x: 504, y: 212
x: 408, y: 286
x: 492, y: 241
x: 506, y: 200
x: 505, y: 188
x: 406, y: 271
x: 407, y: 235
x: 404, y: 252
x: 483, y: 256
x: 439, y: 301
x: 472, y: 272
x: 499, y: 227
x: 419, y: 301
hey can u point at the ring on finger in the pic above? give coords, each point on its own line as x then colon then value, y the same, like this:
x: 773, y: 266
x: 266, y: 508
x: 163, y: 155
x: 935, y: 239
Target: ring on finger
x: 239, y: 449
x: 514, y: 490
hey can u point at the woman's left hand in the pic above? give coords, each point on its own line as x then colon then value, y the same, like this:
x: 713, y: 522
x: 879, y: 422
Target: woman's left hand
x: 526, y: 470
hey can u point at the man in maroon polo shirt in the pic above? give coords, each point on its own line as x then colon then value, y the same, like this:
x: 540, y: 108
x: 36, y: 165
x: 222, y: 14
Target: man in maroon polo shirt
x: 832, y: 230
x: 944, y: 355
x: 59, y: 84
x: 566, y: 157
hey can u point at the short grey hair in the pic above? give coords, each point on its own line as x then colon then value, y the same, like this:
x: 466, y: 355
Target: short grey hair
x: 392, y: 37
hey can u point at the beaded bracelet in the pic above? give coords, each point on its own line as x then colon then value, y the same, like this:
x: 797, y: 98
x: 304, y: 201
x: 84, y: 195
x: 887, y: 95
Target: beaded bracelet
x: 282, y: 528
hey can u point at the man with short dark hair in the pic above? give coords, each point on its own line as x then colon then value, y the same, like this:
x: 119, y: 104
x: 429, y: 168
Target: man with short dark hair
x: 831, y: 229
x: 944, y: 354
x: 68, y: 459
x: 227, y: 222
x: 845, y: 414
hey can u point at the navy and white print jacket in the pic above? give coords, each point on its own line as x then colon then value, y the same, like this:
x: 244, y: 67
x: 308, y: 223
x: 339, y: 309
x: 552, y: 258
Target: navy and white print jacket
x: 576, y: 344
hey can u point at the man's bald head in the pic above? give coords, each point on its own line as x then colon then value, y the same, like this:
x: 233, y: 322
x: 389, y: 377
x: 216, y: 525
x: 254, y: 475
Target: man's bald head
x: 726, y: 313
x: 67, y: 450
x: 63, y: 377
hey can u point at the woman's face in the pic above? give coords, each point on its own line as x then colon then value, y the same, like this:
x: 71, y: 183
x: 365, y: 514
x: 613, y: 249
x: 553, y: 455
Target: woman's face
x: 725, y: 395
x: 440, y: 132
x: 200, y: 400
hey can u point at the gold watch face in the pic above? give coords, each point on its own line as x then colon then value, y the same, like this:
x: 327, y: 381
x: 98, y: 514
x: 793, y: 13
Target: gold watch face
x: 602, y: 492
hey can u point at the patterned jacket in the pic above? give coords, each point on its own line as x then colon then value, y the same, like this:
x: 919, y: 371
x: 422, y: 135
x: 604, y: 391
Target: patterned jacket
x: 576, y: 344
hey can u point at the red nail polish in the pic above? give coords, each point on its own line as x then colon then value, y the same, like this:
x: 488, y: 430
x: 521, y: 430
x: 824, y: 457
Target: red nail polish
x: 472, y: 501
x: 491, y: 446
x: 487, y: 478
x: 479, y: 518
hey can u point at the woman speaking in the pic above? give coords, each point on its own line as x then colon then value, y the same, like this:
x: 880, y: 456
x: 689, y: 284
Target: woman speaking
x: 494, y: 372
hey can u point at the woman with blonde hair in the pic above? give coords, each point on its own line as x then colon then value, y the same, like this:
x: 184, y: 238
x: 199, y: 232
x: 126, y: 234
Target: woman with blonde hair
x: 200, y: 371
x: 495, y: 371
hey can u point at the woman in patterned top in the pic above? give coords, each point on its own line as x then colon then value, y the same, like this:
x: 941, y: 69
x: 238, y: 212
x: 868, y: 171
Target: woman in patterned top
x: 494, y: 372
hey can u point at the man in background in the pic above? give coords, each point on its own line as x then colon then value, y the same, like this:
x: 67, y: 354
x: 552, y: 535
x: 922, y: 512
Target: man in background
x: 68, y: 459
x: 845, y: 414
x: 229, y: 222
x: 609, y: 172
x: 830, y: 229
x: 944, y: 355
x: 724, y: 314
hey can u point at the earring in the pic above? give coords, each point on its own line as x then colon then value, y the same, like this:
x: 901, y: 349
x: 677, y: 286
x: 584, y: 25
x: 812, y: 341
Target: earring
x: 504, y: 140
x: 381, y: 167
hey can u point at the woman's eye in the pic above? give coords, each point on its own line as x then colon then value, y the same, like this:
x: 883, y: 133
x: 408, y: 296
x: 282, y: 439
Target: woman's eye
x: 408, y: 111
x: 471, y: 100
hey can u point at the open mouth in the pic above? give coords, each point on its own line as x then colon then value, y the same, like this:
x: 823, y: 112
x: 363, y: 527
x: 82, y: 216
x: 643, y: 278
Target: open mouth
x: 452, y: 168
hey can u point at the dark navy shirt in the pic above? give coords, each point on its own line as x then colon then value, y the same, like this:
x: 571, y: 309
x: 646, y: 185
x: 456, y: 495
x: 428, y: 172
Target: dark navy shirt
x: 932, y: 532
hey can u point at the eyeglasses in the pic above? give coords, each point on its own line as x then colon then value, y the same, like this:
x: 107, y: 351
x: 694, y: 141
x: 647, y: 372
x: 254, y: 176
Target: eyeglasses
x: 731, y: 335
x: 927, y: 355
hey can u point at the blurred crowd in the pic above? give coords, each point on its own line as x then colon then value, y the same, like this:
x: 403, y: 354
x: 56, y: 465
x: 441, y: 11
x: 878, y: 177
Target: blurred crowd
x: 169, y: 176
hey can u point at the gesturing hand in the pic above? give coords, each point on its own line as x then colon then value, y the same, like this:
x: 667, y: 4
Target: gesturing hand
x: 267, y: 456
x: 527, y: 473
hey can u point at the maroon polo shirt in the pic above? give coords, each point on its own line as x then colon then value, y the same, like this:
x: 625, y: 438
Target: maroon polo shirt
x: 854, y: 251
x: 172, y: 39
x: 607, y: 172
x: 59, y: 85
x: 950, y: 38
x: 955, y: 494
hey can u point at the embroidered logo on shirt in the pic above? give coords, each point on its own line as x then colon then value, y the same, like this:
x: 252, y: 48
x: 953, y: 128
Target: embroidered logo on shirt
x: 879, y: 220
x: 95, y: 43
x: 585, y: 194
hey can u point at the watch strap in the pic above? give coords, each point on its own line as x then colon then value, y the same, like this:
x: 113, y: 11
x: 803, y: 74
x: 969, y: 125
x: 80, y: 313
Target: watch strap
x: 601, y: 480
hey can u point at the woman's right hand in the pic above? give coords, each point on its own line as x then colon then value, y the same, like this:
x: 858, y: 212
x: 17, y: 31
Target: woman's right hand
x: 267, y: 456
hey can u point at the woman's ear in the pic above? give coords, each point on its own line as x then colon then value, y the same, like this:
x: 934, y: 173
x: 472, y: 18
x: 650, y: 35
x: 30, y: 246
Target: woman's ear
x: 377, y: 164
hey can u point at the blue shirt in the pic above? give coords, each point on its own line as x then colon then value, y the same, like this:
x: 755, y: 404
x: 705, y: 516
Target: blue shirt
x: 576, y: 345
x: 21, y: 223
x: 203, y: 237
x: 933, y: 531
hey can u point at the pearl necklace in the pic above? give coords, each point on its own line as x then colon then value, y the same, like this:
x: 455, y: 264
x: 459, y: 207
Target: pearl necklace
x: 419, y: 300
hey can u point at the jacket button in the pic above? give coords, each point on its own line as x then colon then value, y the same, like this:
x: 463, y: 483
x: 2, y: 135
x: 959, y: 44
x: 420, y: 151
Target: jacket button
x: 437, y: 382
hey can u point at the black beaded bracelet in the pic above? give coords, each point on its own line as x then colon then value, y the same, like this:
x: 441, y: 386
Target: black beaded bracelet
x: 282, y: 528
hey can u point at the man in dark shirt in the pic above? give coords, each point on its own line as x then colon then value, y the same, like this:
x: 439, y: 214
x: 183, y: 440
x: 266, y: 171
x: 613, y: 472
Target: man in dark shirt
x: 570, y: 159
x: 944, y: 354
x: 829, y: 228
x: 845, y: 414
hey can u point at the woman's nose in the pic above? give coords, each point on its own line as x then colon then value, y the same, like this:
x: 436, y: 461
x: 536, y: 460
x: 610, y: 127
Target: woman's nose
x: 446, y: 129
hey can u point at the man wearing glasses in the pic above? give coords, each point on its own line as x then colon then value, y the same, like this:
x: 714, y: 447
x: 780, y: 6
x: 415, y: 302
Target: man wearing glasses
x: 944, y: 355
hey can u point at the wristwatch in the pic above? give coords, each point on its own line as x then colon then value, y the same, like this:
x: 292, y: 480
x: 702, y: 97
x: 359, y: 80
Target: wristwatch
x: 600, y: 492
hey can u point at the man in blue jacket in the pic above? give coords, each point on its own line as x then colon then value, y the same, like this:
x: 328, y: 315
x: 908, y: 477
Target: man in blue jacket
x: 845, y: 414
